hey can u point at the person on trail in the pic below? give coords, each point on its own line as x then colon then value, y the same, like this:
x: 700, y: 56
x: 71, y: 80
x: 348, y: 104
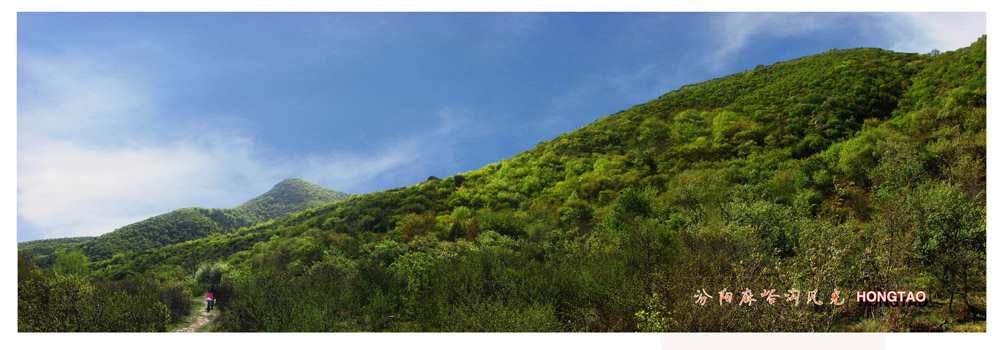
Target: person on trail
x: 210, y: 299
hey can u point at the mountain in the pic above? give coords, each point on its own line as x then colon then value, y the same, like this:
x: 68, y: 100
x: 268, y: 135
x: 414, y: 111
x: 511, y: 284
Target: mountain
x: 42, y: 251
x: 859, y: 169
x: 286, y: 197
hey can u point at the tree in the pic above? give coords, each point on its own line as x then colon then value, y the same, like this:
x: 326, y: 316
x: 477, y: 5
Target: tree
x: 951, y: 237
x: 72, y: 262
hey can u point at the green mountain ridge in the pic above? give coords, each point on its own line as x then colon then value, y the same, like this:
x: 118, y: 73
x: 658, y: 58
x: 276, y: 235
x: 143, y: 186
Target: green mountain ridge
x: 859, y: 169
x: 286, y: 197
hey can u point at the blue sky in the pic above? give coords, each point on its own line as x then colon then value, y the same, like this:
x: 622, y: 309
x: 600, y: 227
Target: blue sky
x: 124, y: 116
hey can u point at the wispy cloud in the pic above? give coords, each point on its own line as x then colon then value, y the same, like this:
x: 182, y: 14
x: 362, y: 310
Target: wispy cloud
x: 62, y: 96
x: 905, y: 32
x: 367, y: 170
x: 68, y: 189
x: 96, y: 152
x: 736, y: 31
x: 731, y: 35
x: 92, y: 155
x: 926, y: 31
x: 727, y: 35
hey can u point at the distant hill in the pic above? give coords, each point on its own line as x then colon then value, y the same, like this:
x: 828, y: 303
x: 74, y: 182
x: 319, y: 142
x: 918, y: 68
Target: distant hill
x: 42, y: 251
x: 288, y: 196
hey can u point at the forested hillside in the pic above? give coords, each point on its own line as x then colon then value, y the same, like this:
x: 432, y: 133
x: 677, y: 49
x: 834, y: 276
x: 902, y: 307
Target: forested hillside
x: 288, y: 196
x: 42, y: 252
x: 860, y: 169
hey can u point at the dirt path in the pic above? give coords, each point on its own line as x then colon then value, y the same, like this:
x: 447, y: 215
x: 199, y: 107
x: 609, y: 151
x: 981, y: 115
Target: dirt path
x: 201, y: 321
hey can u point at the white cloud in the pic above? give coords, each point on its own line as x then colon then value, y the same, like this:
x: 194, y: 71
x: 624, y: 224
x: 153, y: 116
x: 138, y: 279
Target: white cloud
x: 89, y: 155
x: 735, y: 31
x: 95, y: 153
x: 926, y: 31
x: 906, y: 32
x: 69, y: 189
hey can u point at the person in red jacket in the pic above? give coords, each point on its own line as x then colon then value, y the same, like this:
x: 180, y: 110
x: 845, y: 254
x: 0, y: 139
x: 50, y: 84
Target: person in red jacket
x: 210, y: 299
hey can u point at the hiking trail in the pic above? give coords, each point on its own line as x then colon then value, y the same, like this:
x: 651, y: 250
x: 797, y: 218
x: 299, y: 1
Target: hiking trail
x: 202, y: 320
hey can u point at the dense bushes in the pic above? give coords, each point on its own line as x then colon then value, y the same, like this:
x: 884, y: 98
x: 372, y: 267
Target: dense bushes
x: 68, y: 303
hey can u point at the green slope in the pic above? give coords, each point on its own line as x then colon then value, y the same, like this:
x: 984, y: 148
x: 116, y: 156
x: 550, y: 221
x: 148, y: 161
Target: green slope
x: 852, y: 169
x: 286, y: 197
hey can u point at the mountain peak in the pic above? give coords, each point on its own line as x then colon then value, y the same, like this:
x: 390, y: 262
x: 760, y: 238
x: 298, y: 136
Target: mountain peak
x: 289, y: 196
x: 293, y: 181
x: 300, y: 188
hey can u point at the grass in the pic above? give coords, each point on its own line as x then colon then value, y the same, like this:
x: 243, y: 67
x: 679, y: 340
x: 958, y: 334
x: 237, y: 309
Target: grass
x: 956, y: 320
x: 975, y: 326
x: 867, y: 325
